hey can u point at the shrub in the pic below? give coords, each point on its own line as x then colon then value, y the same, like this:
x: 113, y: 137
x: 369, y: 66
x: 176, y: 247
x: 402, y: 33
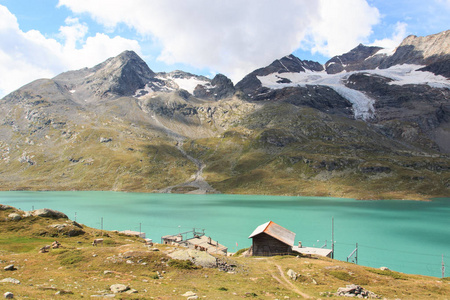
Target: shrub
x: 182, y: 264
x: 389, y: 273
x: 240, y: 251
x: 223, y: 289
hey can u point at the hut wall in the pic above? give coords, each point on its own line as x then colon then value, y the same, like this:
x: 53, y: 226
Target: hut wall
x: 265, y: 245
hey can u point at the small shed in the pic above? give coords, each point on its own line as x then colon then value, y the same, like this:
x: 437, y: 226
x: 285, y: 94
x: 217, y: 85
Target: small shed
x: 271, y: 239
x: 133, y: 233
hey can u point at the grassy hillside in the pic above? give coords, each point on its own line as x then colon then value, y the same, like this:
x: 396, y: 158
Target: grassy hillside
x: 287, y: 150
x: 79, y: 270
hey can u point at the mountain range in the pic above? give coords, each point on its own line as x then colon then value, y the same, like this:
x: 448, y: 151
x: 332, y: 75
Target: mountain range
x: 369, y: 124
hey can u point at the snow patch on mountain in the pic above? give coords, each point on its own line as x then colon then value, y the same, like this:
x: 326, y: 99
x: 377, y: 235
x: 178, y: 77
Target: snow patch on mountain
x: 408, y: 74
x: 362, y: 104
x: 189, y: 84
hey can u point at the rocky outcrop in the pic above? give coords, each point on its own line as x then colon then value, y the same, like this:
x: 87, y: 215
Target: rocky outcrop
x: 118, y: 76
x: 356, y: 59
x: 221, y: 87
x: 48, y: 213
x: 251, y: 86
x: 354, y: 290
x: 199, y: 258
x: 439, y: 68
x: 421, y: 50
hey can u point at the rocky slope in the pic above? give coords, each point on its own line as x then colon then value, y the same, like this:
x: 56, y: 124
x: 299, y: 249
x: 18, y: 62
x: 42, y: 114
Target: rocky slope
x: 367, y: 124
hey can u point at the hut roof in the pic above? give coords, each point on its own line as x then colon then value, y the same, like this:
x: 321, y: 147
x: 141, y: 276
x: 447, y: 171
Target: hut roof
x: 207, y: 243
x: 275, y: 231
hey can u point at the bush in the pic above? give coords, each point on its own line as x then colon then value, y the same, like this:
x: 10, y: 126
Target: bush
x: 182, y: 264
x: 389, y: 273
x: 223, y: 289
x: 240, y: 251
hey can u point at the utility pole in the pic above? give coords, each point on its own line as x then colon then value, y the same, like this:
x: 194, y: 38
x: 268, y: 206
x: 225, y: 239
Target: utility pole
x: 140, y: 227
x: 332, y: 237
x: 443, y: 266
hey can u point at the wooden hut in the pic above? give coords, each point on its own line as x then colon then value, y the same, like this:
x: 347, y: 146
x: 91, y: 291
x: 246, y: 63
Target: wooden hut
x: 271, y: 239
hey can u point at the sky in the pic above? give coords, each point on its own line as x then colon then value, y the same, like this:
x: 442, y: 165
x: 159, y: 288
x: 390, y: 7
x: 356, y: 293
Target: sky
x: 42, y: 38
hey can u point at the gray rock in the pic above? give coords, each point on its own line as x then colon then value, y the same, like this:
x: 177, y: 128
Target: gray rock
x: 10, y: 280
x: 9, y: 268
x: 63, y: 292
x: 292, y: 274
x: 131, y: 291
x: 104, y: 296
x: 189, y: 294
x: 8, y: 295
x: 48, y: 213
x: 192, y: 297
x: 119, y: 288
x: 5, y: 207
x: 384, y: 269
x: 105, y: 140
x: 15, y: 216
x: 199, y: 258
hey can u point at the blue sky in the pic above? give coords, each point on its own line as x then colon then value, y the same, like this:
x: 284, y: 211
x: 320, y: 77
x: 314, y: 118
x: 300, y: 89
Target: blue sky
x: 41, y: 38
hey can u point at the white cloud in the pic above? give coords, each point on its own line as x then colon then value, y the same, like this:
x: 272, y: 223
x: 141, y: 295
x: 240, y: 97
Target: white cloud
x: 26, y: 56
x: 397, y: 37
x: 342, y: 25
x: 234, y: 36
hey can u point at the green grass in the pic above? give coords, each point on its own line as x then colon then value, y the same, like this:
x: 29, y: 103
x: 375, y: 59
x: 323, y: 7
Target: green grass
x: 20, y: 244
x: 389, y: 273
x: 341, y: 275
x: 68, y: 258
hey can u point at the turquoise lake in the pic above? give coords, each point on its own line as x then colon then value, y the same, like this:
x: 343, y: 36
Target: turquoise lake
x: 405, y: 236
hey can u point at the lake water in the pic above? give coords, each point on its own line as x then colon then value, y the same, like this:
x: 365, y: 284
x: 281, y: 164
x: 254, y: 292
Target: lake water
x: 406, y: 236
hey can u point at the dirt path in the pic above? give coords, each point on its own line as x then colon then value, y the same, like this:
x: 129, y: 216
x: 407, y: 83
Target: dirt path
x: 287, y: 283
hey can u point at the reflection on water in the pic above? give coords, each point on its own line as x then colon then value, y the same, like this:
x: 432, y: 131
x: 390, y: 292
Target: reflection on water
x: 406, y: 236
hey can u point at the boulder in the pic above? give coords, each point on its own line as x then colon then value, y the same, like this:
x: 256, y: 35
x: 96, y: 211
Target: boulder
x: 384, y: 269
x: 353, y: 290
x: 189, y: 294
x: 10, y: 280
x: 48, y: 213
x: 199, y: 258
x: 15, y: 216
x: 8, y: 295
x: 119, y: 288
x: 9, y: 268
x: 105, y: 140
x: 292, y: 274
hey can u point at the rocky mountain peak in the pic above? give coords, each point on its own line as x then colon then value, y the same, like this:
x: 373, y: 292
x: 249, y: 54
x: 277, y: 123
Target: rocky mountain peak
x: 118, y: 76
x: 355, y: 59
x: 421, y: 50
x: 251, y: 85
x: 219, y: 88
